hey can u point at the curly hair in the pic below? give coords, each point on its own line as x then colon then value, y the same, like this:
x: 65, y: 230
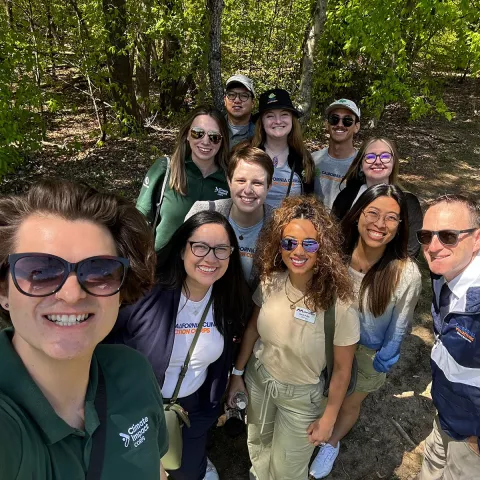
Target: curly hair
x: 330, y: 278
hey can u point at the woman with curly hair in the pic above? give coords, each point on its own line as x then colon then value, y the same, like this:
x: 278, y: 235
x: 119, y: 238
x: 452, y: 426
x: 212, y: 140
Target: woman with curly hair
x: 278, y: 132
x: 377, y: 162
x: 302, y: 274
x: 387, y: 284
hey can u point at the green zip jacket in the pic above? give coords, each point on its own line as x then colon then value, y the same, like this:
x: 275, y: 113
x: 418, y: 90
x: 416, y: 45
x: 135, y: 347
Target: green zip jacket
x: 176, y: 206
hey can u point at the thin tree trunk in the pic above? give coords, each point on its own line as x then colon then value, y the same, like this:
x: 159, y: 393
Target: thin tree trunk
x: 313, y: 33
x: 50, y: 28
x: 9, y: 11
x: 215, y: 9
x: 143, y: 60
x: 118, y: 60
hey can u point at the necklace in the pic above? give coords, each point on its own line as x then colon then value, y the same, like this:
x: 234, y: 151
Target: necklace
x: 292, y: 303
x: 275, y: 157
x: 362, y: 268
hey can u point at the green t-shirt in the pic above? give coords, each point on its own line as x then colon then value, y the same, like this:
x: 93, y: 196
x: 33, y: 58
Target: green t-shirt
x: 175, y: 206
x: 35, y: 443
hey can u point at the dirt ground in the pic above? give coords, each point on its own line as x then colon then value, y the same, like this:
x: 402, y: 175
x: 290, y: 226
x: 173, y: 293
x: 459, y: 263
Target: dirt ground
x: 437, y: 157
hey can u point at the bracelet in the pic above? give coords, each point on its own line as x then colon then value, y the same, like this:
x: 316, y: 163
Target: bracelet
x: 237, y: 372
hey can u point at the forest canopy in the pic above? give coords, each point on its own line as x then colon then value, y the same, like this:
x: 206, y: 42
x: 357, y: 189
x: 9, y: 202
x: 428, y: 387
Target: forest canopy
x: 137, y: 60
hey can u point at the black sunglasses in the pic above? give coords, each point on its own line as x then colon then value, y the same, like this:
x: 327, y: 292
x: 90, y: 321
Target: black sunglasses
x: 448, y: 238
x: 308, y: 244
x: 334, y: 119
x: 197, y: 133
x: 42, y: 274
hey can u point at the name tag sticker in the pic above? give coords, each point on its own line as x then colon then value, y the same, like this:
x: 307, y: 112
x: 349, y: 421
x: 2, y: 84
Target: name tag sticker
x: 305, y: 315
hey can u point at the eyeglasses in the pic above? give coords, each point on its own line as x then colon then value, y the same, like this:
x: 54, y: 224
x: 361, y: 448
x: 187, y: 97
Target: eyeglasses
x: 308, y: 244
x: 449, y: 238
x: 372, y: 216
x: 334, y: 119
x: 200, y: 249
x: 42, y: 274
x: 197, y: 133
x: 243, y: 96
x: 385, y: 157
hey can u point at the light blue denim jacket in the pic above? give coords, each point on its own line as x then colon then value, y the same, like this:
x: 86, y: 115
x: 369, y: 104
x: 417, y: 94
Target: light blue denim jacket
x: 386, y: 332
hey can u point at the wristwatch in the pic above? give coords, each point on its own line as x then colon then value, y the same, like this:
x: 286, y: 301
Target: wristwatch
x: 237, y: 372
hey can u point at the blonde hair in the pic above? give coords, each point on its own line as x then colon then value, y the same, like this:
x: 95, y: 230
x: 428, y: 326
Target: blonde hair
x: 354, y: 173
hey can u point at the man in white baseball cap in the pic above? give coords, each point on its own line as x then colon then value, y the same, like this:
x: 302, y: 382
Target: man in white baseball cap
x: 332, y: 162
x: 239, y: 100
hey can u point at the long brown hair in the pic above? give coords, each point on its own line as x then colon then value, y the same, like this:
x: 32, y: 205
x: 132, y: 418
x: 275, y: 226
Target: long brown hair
x: 178, y: 175
x: 382, y: 279
x: 330, y: 278
x: 355, y: 173
x: 294, y: 140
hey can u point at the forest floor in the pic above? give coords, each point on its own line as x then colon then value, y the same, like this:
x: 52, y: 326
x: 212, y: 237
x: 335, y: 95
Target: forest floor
x: 437, y: 157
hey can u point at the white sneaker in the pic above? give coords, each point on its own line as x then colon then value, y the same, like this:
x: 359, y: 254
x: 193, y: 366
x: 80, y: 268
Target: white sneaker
x: 323, y: 463
x: 211, y: 472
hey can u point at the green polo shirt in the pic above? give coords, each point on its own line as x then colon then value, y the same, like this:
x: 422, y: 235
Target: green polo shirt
x: 35, y: 443
x: 175, y: 206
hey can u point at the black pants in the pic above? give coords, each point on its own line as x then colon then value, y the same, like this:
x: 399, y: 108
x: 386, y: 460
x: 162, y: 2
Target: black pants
x: 194, y: 454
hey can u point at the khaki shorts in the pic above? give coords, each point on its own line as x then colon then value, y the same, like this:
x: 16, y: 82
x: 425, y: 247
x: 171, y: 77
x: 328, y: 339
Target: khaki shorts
x: 368, y: 379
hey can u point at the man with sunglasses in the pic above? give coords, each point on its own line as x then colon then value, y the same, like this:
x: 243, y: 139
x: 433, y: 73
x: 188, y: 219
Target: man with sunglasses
x: 332, y: 162
x: 239, y: 100
x: 69, y: 408
x: 450, y: 240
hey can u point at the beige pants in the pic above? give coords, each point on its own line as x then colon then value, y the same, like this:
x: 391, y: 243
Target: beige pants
x: 448, y: 459
x: 278, y: 417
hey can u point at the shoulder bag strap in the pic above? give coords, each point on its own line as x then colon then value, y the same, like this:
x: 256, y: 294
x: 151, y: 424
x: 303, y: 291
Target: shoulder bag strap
x: 99, y: 437
x: 162, y: 193
x: 329, y: 326
x: 292, y: 173
x: 184, y: 369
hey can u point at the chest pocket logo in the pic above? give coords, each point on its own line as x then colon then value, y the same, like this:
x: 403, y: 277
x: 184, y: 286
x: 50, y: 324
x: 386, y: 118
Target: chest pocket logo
x: 465, y: 333
x: 221, y: 192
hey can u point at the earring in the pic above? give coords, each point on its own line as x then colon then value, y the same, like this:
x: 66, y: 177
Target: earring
x: 6, y: 306
x: 275, y: 260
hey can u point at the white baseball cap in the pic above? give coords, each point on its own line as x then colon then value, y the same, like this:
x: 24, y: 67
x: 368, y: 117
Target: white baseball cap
x: 344, y: 103
x: 242, y: 80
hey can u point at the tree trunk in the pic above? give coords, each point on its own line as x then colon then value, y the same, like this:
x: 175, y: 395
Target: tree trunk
x: 118, y: 60
x: 215, y: 8
x: 313, y: 32
x: 143, y: 61
x: 9, y: 12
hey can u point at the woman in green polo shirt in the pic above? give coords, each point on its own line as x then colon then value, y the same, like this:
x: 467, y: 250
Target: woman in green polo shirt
x: 195, y: 172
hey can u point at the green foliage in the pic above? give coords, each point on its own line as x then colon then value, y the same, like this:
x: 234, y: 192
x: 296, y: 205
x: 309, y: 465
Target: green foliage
x: 20, y: 98
x: 377, y: 52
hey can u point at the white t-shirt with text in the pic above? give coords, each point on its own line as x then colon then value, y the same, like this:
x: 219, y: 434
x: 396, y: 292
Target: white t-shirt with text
x: 208, y: 349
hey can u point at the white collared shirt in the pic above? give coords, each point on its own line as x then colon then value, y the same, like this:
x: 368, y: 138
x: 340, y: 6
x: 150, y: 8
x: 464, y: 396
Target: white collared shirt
x: 460, y: 284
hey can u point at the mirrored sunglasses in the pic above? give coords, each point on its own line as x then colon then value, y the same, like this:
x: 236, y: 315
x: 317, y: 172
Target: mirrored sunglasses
x: 197, y: 133
x: 41, y: 274
x: 308, y: 244
x: 448, y: 238
x: 334, y: 119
